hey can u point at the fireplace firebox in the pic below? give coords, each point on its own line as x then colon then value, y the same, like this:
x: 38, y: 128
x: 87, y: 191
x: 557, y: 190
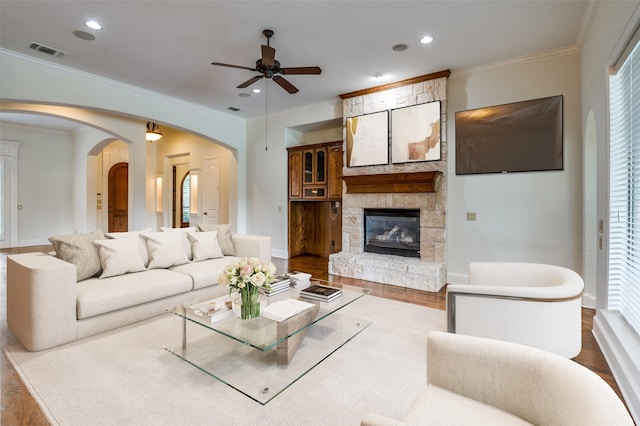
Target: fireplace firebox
x: 392, y: 231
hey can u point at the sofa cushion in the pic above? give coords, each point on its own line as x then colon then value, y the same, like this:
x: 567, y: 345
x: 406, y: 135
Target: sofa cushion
x: 165, y: 249
x: 98, y: 296
x: 205, y: 273
x: 204, y: 245
x: 142, y: 246
x: 442, y: 407
x: 224, y: 237
x: 184, y: 232
x: 119, y: 256
x: 79, y: 250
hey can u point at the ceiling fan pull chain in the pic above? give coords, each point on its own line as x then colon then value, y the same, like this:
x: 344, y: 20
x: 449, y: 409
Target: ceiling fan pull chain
x: 266, y: 115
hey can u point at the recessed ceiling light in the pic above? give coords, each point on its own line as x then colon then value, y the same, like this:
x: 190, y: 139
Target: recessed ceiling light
x: 93, y: 25
x: 256, y: 90
x: 400, y: 47
x: 244, y: 95
x: 426, y: 39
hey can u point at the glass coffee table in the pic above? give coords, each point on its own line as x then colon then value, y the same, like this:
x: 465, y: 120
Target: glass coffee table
x: 262, y: 357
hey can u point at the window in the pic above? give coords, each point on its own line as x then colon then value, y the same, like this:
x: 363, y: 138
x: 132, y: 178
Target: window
x: 624, y: 190
x: 186, y: 199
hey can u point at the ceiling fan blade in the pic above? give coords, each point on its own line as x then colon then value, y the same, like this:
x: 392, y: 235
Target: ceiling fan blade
x: 249, y: 82
x: 300, y: 70
x: 268, y: 55
x: 282, y: 82
x: 220, y: 64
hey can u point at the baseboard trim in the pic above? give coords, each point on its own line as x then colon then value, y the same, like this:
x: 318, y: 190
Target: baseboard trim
x: 455, y: 278
x: 588, y: 301
x: 280, y: 254
x: 620, y: 346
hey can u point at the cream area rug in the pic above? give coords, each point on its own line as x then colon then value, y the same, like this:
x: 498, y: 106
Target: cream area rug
x: 126, y: 377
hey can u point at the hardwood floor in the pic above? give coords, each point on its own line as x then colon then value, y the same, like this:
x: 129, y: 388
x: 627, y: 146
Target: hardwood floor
x: 19, y: 407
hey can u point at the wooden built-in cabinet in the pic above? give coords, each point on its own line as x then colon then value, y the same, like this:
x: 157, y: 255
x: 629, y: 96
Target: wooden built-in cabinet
x: 315, y: 199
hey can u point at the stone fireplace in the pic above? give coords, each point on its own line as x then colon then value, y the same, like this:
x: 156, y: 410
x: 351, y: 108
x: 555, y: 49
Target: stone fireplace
x: 417, y: 186
x: 424, y: 272
x: 392, y: 231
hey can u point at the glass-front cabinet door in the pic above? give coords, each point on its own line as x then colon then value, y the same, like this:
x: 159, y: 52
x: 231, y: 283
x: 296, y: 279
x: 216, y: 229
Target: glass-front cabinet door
x: 308, y: 167
x: 321, y: 166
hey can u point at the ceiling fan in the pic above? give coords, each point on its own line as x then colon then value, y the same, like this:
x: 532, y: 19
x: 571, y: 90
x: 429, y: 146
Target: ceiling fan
x: 268, y: 67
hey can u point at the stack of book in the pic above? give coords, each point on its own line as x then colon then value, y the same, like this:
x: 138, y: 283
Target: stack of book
x: 281, y: 284
x: 299, y: 279
x: 321, y: 292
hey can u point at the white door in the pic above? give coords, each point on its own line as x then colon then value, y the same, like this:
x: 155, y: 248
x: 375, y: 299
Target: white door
x: 211, y: 188
x: 9, y: 194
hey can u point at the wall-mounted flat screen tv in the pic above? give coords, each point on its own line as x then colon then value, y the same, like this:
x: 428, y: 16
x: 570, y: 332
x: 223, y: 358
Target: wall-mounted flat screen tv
x: 518, y: 137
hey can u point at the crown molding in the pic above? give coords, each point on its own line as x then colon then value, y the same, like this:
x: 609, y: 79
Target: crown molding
x: 563, y: 51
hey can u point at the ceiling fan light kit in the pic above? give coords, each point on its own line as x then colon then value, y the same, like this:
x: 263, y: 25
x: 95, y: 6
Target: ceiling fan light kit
x: 270, y: 68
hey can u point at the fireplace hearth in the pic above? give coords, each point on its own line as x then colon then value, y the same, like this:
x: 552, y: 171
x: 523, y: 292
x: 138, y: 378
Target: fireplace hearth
x: 392, y: 231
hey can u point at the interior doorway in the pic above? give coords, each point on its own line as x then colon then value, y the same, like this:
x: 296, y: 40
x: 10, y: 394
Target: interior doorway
x: 118, y: 202
x: 181, y: 198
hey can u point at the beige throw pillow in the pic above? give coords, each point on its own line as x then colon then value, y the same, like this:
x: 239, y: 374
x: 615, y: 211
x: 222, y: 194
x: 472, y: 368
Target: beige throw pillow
x: 79, y: 250
x: 186, y: 244
x: 119, y: 256
x: 204, y: 245
x: 165, y: 249
x: 142, y: 246
x: 224, y: 237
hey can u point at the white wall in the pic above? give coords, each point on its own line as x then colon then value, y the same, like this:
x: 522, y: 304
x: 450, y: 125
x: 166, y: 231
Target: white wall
x: 45, y: 176
x: 529, y: 216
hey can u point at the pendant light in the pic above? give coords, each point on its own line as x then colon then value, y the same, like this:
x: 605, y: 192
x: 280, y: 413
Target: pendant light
x: 153, y: 132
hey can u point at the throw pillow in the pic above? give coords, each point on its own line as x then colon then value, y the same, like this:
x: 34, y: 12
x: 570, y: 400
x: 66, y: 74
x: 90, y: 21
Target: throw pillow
x: 186, y: 244
x: 142, y: 246
x: 79, y: 250
x: 224, y: 237
x: 165, y: 249
x: 204, y: 245
x: 119, y: 256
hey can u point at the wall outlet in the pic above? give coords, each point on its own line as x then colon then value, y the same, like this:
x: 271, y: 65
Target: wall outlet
x: 471, y: 215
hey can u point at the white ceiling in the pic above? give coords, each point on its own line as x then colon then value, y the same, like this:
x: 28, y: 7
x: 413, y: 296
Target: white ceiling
x: 167, y: 46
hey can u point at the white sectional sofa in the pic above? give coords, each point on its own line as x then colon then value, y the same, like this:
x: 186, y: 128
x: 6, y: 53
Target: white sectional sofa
x: 47, y: 305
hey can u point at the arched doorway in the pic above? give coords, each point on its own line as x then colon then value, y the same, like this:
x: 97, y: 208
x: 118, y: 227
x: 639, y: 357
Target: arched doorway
x: 185, y: 200
x: 118, y: 186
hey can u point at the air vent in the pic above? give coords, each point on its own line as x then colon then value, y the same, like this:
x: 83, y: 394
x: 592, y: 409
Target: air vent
x: 234, y: 109
x: 46, y: 49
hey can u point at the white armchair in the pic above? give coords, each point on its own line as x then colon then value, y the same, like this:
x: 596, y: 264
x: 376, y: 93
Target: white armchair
x: 477, y: 381
x: 528, y: 303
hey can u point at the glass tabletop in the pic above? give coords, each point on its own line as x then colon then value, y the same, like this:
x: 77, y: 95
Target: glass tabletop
x: 261, y: 358
x: 263, y: 333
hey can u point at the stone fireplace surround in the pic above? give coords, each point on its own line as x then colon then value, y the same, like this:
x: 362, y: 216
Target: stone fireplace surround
x: 377, y: 187
x: 426, y: 273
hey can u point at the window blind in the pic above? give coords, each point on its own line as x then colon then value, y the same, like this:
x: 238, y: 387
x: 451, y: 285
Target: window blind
x: 624, y: 190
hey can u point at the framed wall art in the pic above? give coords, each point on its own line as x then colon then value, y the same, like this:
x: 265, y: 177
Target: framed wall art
x: 368, y: 139
x: 415, y: 133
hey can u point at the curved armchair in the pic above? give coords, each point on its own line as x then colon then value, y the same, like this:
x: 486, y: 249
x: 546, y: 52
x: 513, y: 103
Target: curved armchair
x: 476, y: 381
x: 528, y: 303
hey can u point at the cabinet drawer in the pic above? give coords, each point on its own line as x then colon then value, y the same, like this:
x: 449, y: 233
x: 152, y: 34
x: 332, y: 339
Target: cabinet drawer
x: 315, y: 192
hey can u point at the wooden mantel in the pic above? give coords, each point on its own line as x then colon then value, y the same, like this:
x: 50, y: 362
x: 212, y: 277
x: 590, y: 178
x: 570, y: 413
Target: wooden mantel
x: 392, y: 182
